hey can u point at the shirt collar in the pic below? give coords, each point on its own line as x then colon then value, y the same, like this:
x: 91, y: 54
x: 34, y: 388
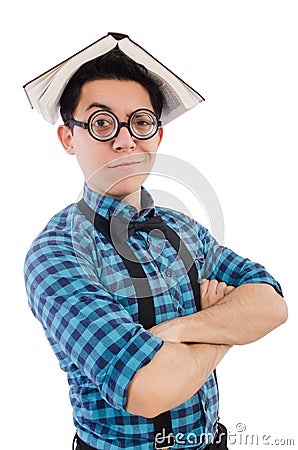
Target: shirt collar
x: 108, y: 206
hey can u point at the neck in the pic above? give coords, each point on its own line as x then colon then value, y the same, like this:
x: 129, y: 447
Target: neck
x: 133, y: 199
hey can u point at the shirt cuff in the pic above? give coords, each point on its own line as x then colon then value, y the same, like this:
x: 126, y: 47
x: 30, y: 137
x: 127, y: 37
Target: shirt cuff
x: 263, y: 277
x: 138, y: 352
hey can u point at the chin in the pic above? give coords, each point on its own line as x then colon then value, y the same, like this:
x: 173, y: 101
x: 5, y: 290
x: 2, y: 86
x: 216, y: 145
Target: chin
x: 118, y: 189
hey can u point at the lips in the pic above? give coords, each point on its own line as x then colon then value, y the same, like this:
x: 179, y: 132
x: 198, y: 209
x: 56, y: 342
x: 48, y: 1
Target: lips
x: 127, y: 163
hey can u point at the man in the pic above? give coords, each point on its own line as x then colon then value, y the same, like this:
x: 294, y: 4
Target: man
x: 139, y: 338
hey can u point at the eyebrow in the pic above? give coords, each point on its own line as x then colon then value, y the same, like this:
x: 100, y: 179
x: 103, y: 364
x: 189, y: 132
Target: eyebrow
x: 98, y: 105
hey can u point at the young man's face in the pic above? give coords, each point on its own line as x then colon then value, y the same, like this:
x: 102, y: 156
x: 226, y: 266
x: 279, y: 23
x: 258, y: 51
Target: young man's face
x: 116, y: 168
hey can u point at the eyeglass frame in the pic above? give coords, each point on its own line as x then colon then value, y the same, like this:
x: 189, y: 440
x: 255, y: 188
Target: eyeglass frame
x: 87, y: 125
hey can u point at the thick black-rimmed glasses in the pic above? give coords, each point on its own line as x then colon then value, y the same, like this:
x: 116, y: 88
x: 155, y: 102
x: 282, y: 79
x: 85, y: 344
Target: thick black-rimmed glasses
x: 104, y: 125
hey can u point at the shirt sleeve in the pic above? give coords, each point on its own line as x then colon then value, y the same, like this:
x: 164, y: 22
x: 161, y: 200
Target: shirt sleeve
x: 91, y: 328
x: 223, y: 264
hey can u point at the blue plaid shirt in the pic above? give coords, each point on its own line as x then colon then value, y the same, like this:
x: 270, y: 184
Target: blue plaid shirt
x: 81, y: 292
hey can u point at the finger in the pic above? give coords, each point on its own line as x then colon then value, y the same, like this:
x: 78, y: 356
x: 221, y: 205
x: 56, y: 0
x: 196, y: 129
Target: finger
x: 204, y: 287
x: 228, y: 289
x: 220, y: 290
x: 212, y: 288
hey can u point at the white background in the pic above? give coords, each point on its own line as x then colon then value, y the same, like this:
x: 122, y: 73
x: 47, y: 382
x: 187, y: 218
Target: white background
x: 242, y: 57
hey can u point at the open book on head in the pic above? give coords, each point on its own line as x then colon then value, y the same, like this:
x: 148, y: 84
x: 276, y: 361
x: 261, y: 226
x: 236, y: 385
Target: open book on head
x: 44, y: 92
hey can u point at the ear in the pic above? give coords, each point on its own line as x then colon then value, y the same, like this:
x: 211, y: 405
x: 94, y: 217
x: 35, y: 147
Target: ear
x: 65, y: 137
x: 160, y: 133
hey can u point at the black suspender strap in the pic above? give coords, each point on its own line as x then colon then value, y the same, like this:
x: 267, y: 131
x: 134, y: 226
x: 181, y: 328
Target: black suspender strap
x: 164, y: 437
x: 188, y: 261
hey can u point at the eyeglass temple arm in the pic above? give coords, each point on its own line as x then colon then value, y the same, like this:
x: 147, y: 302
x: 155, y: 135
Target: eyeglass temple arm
x: 77, y: 123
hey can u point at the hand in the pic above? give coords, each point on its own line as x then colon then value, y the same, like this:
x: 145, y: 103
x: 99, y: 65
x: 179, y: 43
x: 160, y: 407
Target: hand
x: 212, y: 291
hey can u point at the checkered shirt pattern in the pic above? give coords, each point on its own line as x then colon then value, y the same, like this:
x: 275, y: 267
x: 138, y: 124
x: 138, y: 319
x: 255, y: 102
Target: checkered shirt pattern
x: 81, y: 292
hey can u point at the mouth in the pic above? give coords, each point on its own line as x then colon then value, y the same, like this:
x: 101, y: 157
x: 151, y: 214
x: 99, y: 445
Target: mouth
x: 125, y: 164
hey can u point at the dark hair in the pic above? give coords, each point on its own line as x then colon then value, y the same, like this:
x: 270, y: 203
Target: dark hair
x: 113, y: 65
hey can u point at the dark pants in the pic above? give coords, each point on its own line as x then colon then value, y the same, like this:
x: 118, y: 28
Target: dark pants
x: 220, y: 441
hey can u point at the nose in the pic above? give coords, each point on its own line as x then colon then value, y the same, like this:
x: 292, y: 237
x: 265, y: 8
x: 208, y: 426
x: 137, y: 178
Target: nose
x: 124, y: 140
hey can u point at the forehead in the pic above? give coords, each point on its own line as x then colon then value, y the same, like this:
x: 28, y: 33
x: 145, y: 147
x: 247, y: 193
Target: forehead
x: 120, y: 96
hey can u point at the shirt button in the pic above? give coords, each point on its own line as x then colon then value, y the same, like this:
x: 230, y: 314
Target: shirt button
x: 132, y: 212
x: 179, y: 310
x: 168, y: 272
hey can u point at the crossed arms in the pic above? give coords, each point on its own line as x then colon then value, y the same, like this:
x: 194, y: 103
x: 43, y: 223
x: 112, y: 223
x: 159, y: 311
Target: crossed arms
x: 92, y: 330
x: 229, y: 316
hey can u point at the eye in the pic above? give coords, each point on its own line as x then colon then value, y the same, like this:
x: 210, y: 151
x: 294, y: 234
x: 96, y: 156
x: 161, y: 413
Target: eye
x: 143, y: 123
x: 101, y: 123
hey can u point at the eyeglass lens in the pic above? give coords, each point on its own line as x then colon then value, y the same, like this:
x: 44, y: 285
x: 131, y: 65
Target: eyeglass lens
x: 104, y: 125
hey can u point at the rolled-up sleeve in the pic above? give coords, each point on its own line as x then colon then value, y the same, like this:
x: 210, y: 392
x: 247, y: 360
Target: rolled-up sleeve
x: 88, y: 324
x: 223, y: 264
